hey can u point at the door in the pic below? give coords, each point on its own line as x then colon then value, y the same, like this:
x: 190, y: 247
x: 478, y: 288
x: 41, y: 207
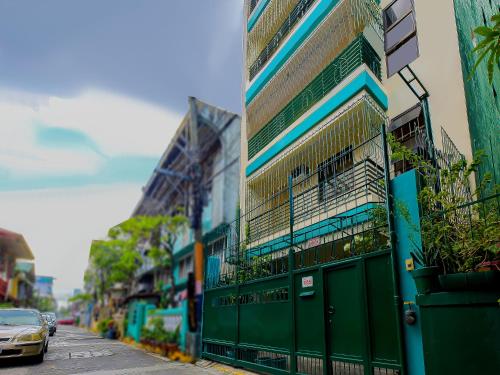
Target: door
x: 345, y: 310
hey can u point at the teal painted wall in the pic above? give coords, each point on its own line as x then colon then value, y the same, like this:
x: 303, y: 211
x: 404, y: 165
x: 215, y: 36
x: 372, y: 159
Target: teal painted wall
x: 136, y: 318
x: 404, y: 190
x: 181, y: 310
x: 483, y: 109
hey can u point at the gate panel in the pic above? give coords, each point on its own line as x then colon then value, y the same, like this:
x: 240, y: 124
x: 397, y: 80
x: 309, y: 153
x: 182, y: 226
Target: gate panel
x: 345, y: 314
x: 309, y: 312
x: 220, y: 311
x: 381, y: 309
x: 265, y: 314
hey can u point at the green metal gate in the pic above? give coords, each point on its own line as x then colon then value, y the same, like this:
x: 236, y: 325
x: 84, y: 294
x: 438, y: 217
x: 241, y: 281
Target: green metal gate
x: 303, y: 287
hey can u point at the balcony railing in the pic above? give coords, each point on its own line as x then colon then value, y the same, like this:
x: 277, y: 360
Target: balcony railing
x: 297, y: 13
x: 359, y: 52
x: 251, y: 6
x: 269, y: 95
x: 360, y: 184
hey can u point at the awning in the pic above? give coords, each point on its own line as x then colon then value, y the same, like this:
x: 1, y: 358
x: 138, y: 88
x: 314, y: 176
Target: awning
x: 15, y: 244
x: 405, y: 117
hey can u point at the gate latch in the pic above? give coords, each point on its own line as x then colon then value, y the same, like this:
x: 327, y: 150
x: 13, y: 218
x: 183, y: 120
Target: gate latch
x: 331, y: 310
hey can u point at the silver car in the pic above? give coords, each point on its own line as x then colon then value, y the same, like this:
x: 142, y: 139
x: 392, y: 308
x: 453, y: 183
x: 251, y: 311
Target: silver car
x: 23, y: 333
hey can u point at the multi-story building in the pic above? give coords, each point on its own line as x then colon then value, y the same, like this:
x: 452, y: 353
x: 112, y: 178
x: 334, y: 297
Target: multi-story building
x: 317, y: 278
x: 43, y: 286
x: 13, y: 283
x: 24, y: 282
x: 169, y: 191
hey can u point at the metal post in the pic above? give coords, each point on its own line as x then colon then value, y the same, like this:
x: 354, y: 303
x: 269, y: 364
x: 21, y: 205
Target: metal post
x: 291, y: 281
x: 237, y: 276
x: 392, y: 238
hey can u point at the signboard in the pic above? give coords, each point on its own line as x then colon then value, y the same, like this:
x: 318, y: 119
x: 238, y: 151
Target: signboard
x: 307, y: 282
x: 313, y: 242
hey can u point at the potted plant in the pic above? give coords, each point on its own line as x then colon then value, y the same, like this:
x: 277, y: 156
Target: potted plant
x: 460, y: 228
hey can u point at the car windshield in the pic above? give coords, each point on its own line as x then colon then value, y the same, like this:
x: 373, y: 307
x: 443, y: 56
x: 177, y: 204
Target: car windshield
x: 19, y: 318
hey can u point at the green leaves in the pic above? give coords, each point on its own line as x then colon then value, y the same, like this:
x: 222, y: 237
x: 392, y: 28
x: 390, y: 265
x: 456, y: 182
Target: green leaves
x: 488, y: 47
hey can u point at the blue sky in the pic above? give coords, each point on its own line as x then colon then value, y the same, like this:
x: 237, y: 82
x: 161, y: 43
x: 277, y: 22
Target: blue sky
x: 91, y: 93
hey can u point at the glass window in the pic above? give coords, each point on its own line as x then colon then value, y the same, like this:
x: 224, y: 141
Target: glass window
x: 20, y: 317
x: 396, y: 11
x: 402, y: 56
x: 401, y: 43
x: 400, y: 32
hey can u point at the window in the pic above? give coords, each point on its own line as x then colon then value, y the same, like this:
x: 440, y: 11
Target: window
x: 300, y: 171
x: 406, y: 128
x: 217, y: 247
x: 185, y: 266
x: 401, y: 43
x: 331, y: 180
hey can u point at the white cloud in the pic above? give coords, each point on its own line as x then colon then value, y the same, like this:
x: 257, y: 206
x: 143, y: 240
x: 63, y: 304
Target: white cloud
x: 118, y: 125
x: 59, y: 225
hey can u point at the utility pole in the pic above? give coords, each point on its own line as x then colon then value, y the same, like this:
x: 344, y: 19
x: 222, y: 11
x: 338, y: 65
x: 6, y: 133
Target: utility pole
x: 196, y: 220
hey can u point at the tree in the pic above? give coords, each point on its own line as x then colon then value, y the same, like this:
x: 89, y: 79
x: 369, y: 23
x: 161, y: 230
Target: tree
x: 82, y: 297
x: 489, y: 46
x: 161, y: 233
x: 45, y: 303
x: 112, y: 261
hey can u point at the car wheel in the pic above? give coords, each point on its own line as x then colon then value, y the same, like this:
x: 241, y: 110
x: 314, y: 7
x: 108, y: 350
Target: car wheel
x: 40, y: 357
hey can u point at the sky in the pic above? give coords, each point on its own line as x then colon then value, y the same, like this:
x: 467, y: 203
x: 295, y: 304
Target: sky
x: 91, y: 93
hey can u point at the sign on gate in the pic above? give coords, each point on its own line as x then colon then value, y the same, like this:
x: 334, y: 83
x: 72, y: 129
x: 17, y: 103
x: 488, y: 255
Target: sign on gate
x: 307, y: 281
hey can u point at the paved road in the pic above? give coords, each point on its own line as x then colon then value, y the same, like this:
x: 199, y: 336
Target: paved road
x: 74, y: 351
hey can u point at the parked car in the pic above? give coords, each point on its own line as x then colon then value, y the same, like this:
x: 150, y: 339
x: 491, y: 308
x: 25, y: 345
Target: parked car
x: 69, y: 321
x: 52, y: 321
x: 23, y: 333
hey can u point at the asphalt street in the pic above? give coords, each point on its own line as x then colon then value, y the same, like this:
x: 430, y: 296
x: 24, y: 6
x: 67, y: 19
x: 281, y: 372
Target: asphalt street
x: 75, y: 351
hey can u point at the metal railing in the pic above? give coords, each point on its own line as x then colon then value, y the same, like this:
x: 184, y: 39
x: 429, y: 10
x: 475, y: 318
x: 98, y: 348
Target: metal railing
x: 357, y: 53
x: 339, y: 27
x: 336, y: 212
x: 297, y: 13
x: 251, y: 6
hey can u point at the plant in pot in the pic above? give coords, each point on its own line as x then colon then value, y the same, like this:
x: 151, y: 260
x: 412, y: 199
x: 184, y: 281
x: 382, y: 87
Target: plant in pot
x: 460, y: 228
x: 472, y: 261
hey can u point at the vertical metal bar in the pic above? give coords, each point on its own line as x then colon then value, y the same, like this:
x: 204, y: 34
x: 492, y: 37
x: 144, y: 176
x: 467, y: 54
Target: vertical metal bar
x: 392, y: 238
x: 326, y: 332
x: 366, y: 311
x: 237, y: 333
x: 291, y: 281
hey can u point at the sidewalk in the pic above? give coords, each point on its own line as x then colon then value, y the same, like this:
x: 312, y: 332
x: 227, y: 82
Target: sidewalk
x: 205, y: 364
x: 220, y: 368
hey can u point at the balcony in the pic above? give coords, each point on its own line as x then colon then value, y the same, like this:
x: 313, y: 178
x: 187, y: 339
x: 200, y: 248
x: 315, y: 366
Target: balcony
x: 359, y: 52
x: 334, y: 170
x: 267, y: 38
x: 275, y: 87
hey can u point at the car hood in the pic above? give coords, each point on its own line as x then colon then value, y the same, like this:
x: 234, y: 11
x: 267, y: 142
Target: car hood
x: 12, y: 331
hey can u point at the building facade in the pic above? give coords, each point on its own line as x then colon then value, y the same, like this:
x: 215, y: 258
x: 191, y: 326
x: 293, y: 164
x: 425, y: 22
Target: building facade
x: 16, y: 268
x: 43, y: 286
x: 316, y: 278
x: 169, y: 192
